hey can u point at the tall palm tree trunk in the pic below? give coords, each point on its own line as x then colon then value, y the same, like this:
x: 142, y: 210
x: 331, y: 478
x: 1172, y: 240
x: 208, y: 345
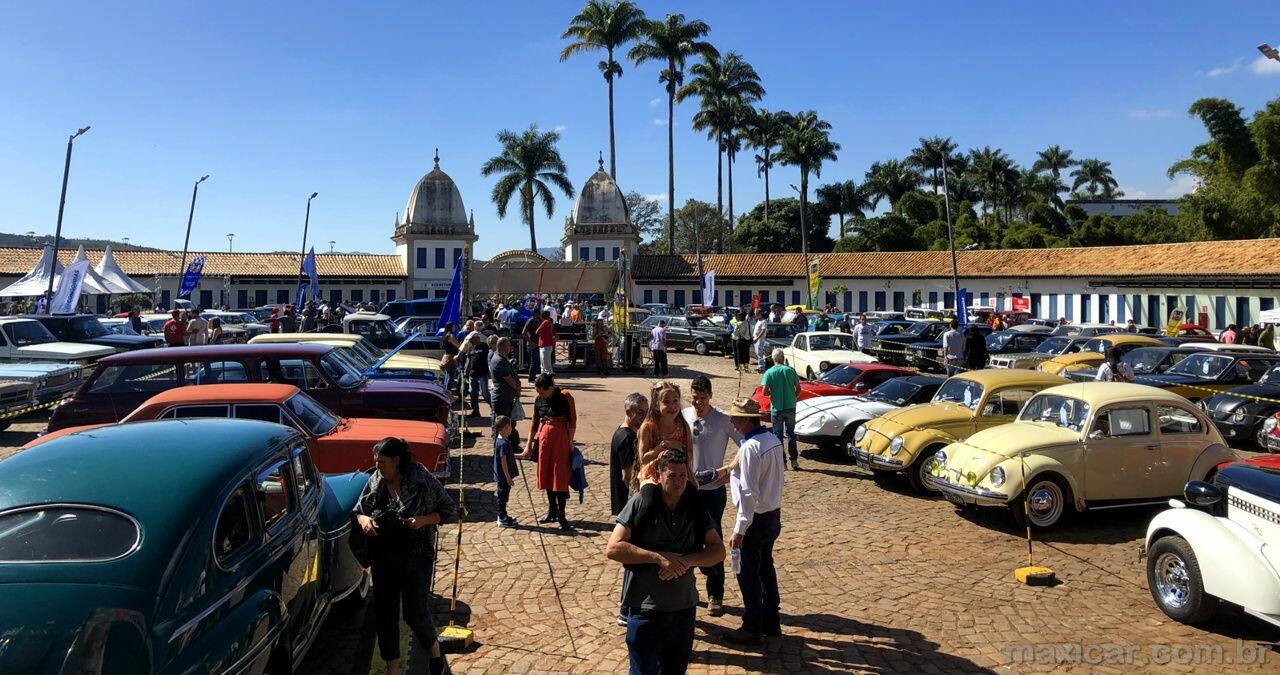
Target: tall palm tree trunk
x: 804, y: 233
x: 766, y: 193
x: 533, y: 235
x: 613, y: 162
x: 841, y: 224
x: 671, y: 166
x: 719, y: 194
x: 729, y: 229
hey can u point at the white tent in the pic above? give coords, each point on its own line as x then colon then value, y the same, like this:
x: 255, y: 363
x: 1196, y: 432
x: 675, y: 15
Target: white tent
x: 36, y: 282
x: 93, y: 283
x: 116, y: 280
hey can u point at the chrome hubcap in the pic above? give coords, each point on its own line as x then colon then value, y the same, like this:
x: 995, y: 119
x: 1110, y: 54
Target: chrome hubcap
x: 1044, y: 501
x: 1172, y: 583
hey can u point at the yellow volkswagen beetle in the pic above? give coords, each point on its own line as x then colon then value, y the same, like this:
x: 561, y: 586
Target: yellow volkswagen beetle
x: 1093, y: 352
x: 1085, y: 445
x: 364, y: 351
x: 903, y: 440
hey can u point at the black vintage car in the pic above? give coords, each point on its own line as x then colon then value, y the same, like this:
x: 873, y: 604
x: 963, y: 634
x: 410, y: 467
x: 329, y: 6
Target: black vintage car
x: 927, y: 356
x: 696, y: 333
x: 1239, y: 413
x: 86, y: 328
x: 892, y: 349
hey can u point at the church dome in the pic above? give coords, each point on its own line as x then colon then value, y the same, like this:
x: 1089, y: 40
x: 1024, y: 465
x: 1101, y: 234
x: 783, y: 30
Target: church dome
x: 435, y: 200
x: 601, y: 202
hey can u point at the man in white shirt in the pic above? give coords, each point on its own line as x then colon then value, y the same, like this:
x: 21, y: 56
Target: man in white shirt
x: 756, y: 483
x: 759, y: 330
x: 711, y: 433
x: 863, y: 334
x: 953, y: 349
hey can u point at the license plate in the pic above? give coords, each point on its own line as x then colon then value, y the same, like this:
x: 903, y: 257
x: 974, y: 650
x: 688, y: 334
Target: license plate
x: 861, y: 462
x: 953, y: 498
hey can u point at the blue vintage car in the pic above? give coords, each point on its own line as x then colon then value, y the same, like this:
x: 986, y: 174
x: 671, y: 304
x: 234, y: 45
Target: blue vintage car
x: 185, y: 546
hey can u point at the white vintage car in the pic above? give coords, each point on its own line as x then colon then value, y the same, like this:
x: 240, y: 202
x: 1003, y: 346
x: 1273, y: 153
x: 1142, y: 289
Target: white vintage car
x: 833, y: 420
x: 27, y: 340
x: 815, y: 352
x: 1230, y: 551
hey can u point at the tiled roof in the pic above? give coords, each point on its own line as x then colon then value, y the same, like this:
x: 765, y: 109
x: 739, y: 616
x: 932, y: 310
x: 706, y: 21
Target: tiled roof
x: 1246, y: 258
x: 142, y: 264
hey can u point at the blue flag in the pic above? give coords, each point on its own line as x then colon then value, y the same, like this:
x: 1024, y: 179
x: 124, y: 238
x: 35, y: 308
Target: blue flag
x: 191, y: 278
x: 452, y: 301
x: 962, y: 307
x: 310, y: 287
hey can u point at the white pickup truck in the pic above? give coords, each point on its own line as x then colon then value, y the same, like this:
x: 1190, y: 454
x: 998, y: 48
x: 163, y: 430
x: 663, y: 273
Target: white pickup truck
x: 26, y: 340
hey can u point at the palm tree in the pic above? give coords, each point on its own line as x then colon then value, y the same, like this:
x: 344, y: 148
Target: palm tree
x: 990, y: 169
x: 929, y: 157
x: 844, y: 197
x: 890, y: 179
x: 529, y: 164
x: 762, y: 131
x: 1053, y: 159
x: 672, y: 41
x: 1095, y: 176
x: 607, y: 25
x: 806, y: 144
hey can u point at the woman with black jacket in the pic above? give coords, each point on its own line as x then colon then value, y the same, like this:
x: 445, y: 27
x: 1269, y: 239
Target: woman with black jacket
x: 975, y: 349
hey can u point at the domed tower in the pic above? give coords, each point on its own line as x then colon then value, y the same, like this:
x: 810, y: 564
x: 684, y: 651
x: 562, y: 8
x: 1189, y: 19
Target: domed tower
x: 435, y: 230
x: 600, y: 227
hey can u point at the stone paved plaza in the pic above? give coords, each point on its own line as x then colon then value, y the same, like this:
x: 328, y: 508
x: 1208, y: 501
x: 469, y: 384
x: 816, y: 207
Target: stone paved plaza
x: 872, y: 580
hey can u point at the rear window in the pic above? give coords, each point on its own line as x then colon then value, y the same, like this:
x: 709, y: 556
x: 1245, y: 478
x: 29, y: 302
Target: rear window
x: 65, y: 533
x: 130, y: 379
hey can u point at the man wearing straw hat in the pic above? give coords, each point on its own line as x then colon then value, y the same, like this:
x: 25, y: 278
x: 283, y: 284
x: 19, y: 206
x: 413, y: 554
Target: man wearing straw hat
x: 756, y: 486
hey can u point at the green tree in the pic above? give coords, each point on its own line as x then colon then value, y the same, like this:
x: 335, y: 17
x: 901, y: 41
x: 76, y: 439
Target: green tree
x: 890, y: 232
x: 672, y: 42
x: 781, y: 233
x: 844, y: 197
x: 697, y: 223
x: 529, y: 164
x: 890, y: 180
x: 1095, y: 176
x: 807, y: 144
x: 919, y: 207
x: 1052, y: 161
x: 607, y: 25
x: 763, y: 131
x: 648, y: 217
x: 930, y: 155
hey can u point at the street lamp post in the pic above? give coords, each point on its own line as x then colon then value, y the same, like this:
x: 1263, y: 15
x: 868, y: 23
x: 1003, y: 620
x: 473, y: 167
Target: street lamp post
x: 57, y: 233
x: 951, y: 238
x: 182, y: 267
x: 331, y: 243
x: 230, y: 236
x: 306, y: 222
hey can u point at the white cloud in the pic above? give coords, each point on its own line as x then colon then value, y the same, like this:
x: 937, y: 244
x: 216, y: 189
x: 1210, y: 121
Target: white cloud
x: 1133, y: 193
x: 1141, y: 114
x: 1224, y: 70
x: 1265, y: 66
x: 655, y: 102
x: 561, y: 128
x: 661, y: 121
x: 1181, y: 186
x: 656, y: 198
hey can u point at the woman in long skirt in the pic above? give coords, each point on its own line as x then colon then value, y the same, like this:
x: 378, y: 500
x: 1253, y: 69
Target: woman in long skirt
x: 554, y: 422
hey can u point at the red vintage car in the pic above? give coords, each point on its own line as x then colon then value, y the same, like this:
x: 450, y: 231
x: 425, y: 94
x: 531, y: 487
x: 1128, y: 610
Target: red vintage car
x: 851, y: 379
x: 337, y: 444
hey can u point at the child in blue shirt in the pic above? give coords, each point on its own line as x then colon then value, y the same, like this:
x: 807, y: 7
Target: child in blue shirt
x: 504, y: 468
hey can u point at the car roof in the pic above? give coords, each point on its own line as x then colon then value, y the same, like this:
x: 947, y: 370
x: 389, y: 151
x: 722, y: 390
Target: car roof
x: 366, y: 316
x: 205, y: 352
x: 923, y: 380
x: 825, y: 332
x: 1103, y: 393
x: 1128, y: 338
x: 995, y: 377
x: 324, y: 338
x: 224, y: 393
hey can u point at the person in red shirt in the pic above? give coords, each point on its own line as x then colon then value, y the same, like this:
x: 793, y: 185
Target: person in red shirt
x: 547, y: 343
x: 175, y: 330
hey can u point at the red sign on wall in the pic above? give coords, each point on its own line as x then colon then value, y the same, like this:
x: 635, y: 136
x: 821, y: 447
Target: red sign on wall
x: 755, y: 302
x: 1022, y: 304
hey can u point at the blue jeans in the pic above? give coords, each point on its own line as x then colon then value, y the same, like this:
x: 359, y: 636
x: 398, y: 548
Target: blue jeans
x: 503, y: 495
x: 479, y: 386
x: 531, y: 355
x: 659, y: 642
x: 714, y: 502
x: 758, y: 579
x: 784, y: 427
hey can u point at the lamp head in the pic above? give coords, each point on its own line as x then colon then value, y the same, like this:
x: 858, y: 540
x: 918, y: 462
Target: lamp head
x: 80, y: 132
x: 313, y: 196
x: 1269, y: 51
x: 203, y: 179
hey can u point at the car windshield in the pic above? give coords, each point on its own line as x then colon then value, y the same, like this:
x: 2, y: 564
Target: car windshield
x: 230, y: 319
x: 704, y: 324
x: 316, y: 417
x: 886, y: 328
x: 23, y: 333
x: 840, y: 341
x: 1204, y: 366
x: 86, y: 328
x: 66, y: 533
x: 841, y: 375
x: 1061, y: 411
x: 342, y: 369
x: 369, y: 349
x: 357, y: 357
x: 918, y: 328
x: 998, y: 341
x: 1144, y: 360
x: 1096, y: 345
x: 963, y: 392
x: 894, y: 392
x: 246, y: 317
x: 1054, y: 345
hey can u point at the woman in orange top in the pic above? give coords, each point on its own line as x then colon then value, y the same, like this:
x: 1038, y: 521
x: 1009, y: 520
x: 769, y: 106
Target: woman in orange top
x: 665, y: 428
x: 555, y: 419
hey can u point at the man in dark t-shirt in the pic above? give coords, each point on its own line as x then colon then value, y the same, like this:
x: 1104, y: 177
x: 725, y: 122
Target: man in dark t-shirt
x: 661, y: 535
x: 622, y: 450
x: 530, y: 336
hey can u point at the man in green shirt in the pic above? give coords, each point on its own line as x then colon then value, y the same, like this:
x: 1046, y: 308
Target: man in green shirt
x: 782, y: 386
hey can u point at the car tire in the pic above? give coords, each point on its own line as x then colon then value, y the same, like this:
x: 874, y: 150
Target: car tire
x: 846, y: 438
x: 1048, y: 505
x: 700, y: 348
x: 808, y: 373
x: 918, y: 469
x: 4, y: 424
x: 1173, y: 576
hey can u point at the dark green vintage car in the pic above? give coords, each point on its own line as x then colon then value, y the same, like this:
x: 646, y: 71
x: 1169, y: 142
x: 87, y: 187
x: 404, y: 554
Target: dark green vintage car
x: 185, y: 546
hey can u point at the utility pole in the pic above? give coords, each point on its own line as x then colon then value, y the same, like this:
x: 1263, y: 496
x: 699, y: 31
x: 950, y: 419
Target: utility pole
x: 951, y: 239
x: 57, y: 233
x: 182, y: 267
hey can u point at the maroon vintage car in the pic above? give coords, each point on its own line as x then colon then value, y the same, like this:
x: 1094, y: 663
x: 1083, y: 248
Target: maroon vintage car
x: 123, y: 382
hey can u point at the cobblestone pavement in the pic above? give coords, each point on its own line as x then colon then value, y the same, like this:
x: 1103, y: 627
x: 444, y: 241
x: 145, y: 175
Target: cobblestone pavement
x: 872, y: 579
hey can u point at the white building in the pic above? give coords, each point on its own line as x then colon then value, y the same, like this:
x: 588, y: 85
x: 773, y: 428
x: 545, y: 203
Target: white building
x: 434, y: 233
x: 1124, y: 207
x: 599, y: 229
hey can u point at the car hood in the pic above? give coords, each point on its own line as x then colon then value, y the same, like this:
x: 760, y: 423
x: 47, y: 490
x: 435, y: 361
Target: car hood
x: 927, y: 344
x: 930, y: 414
x: 401, y: 386
x: 26, y: 370
x: 816, y: 389
x: 367, y: 431
x: 53, y: 628
x: 845, y: 407
x: 839, y: 356
x: 977, y: 455
x: 1231, y: 398
x: 902, y: 338
x: 1160, y: 379
x: 65, y: 350
x: 126, y: 341
x: 411, y: 362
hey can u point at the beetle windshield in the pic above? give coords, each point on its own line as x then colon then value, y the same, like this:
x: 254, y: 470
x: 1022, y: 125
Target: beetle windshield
x: 841, y: 375
x: 888, y: 328
x: 1097, y: 345
x: 999, y: 340
x: 1053, y: 345
x: 963, y: 392
x: 316, y: 417
x: 1145, y: 359
x: 66, y: 533
x: 1204, y: 366
x: 896, y: 392
x: 833, y: 341
x: 1062, y: 411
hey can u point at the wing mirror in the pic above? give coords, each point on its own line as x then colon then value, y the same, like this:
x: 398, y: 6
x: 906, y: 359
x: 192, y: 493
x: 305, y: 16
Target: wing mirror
x: 1200, y: 493
x: 1096, y: 434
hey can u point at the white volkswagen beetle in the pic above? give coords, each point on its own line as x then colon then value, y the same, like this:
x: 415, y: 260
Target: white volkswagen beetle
x: 833, y: 420
x: 815, y: 352
x: 1229, y: 551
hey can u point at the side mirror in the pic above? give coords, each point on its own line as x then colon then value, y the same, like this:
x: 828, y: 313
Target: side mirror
x: 1096, y: 434
x: 1200, y: 493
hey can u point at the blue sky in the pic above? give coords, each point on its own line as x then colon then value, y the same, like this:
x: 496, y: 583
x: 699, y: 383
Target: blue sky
x: 276, y: 100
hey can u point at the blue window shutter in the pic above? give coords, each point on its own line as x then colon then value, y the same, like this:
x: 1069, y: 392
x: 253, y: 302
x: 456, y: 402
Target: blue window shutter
x: 599, y: 253
x: 422, y: 258
x: 679, y: 299
x: 584, y: 253
x: 662, y: 296
x: 648, y: 295
x: 862, y: 302
x: 616, y: 253
x: 439, y: 258
x: 391, y: 294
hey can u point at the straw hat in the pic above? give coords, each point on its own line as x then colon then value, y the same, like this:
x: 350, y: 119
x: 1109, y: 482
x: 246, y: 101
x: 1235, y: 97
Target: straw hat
x: 744, y: 407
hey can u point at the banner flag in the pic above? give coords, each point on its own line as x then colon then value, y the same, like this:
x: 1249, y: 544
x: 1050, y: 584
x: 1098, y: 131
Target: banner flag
x: 191, y: 278
x: 310, y: 287
x: 1175, y: 321
x: 709, y: 288
x: 962, y: 307
x: 453, y: 301
x: 68, y: 294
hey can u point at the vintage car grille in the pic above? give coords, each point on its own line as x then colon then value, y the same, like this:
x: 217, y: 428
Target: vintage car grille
x: 60, y: 379
x: 16, y: 396
x: 1254, y: 509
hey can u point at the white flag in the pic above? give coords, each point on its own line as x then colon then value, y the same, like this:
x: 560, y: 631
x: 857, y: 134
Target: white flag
x: 67, y: 296
x: 709, y: 288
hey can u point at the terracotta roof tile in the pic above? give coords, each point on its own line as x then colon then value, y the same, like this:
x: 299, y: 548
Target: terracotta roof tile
x: 142, y: 264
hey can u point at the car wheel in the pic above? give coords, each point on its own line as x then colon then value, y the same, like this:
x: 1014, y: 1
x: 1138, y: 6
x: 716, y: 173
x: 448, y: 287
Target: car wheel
x: 1173, y: 575
x: 1260, y: 437
x: 808, y: 373
x: 846, y: 439
x: 700, y: 348
x: 1046, y: 506
x: 916, y: 472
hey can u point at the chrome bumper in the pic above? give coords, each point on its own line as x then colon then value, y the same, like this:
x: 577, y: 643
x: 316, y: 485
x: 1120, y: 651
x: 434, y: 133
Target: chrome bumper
x: 870, y: 461
x: 965, y: 494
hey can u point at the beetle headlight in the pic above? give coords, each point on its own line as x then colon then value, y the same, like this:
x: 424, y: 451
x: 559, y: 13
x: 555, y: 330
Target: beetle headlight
x: 895, y: 446
x: 1238, y: 415
x: 1269, y: 424
x: 939, y: 459
x: 997, y: 476
x: 861, y: 433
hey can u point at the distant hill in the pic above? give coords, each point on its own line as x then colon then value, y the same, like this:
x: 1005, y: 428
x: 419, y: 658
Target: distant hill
x: 39, y: 241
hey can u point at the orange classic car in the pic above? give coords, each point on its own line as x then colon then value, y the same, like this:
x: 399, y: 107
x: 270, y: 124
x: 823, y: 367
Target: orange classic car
x: 337, y: 444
